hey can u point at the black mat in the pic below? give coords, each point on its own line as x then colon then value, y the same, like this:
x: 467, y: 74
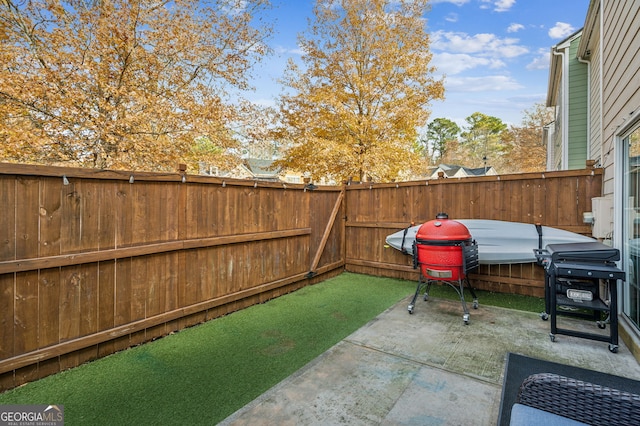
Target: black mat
x: 519, y: 367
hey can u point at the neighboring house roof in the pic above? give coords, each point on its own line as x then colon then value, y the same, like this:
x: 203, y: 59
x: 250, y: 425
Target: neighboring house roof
x: 453, y: 171
x: 260, y: 169
x: 250, y: 168
x: 481, y: 171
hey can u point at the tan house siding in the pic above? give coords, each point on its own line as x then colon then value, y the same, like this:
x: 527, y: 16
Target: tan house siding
x: 611, y: 40
x: 589, y: 52
x: 621, y: 82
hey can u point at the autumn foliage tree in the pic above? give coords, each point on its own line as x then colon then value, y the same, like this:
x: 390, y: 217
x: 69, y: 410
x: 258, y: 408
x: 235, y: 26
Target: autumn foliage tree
x: 486, y: 140
x: 440, y: 136
x: 482, y: 139
x: 354, y: 104
x: 529, y: 150
x: 124, y: 83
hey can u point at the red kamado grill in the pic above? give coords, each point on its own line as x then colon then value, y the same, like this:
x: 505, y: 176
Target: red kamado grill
x: 445, y: 251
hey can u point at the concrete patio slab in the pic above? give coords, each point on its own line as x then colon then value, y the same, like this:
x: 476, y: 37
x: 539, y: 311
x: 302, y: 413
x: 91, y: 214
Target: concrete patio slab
x: 428, y: 368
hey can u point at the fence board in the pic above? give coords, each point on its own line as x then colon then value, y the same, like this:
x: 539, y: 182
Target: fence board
x: 492, y: 201
x: 50, y: 217
x: 88, y: 299
x: 106, y: 194
x: 7, y: 315
x: 123, y: 292
x: 123, y: 219
x: 70, y: 302
x: 27, y: 216
x: 26, y: 310
x: 537, y: 202
x: 8, y: 220
x: 105, y: 303
x: 49, y: 307
x: 139, y: 284
x: 91, y: 204
x: 552, y: 190
x: 72, y: 211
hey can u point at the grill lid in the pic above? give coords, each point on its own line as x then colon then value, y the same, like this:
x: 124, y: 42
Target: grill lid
x: 442, y: 229
x: 583, y: 252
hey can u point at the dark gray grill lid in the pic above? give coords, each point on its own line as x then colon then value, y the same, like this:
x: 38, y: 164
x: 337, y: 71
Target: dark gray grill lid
x: 583, y: 252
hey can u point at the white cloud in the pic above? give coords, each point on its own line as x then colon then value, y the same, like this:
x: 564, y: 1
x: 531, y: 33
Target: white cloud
x: 456, y: 2
x: 480, y: 44
x: 455, y: 63
x: 235, y: 9
x: 514, y: 28
x: 504, y: 5
x: 287, y: 51
x: 498, y: 5
x: 490, y: 83
x: 528, y: 99
x: 263, y: 102
x: 561, y: 30
x: 452, y: 17
x: 541, y: 61
x: 298, y: 51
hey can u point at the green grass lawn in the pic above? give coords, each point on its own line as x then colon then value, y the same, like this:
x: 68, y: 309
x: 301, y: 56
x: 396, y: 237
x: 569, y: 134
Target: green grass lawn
x: 203, y: 374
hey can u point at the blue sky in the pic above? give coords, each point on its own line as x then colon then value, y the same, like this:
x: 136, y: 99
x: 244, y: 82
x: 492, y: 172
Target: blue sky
x: 494, y: 53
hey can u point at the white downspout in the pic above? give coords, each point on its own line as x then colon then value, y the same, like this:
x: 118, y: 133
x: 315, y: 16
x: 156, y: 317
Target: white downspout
x: 565, y: 110
x: 588, y: 62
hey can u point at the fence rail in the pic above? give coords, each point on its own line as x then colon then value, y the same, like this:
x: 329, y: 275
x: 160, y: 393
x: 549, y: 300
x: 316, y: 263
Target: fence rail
x: 92, y: 262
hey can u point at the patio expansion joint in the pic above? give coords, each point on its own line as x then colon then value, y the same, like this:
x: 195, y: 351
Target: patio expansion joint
x: 422, y: 363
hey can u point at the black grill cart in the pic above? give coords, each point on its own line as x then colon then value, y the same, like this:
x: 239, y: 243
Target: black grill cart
x: 572, y: 283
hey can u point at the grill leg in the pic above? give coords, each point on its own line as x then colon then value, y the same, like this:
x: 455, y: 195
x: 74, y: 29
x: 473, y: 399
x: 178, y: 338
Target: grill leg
x: 412, y: 305
x: 459, y: 288
x: 460, y: 291
x: 473, y: 293
x: 427, y: 289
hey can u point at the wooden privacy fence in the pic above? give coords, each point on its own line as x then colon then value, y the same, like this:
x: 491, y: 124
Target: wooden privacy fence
x: 555, y: 199
x: 93, y: 262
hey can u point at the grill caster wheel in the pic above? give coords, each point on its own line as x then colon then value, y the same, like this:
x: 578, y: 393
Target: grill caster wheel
x: 613, y: 348
x: 601, y: 325
x: 410, y: 309
x: 552, y: 337
x: 544, y: 316
x: 425, y: 297
x: 465, y: 318
x: 475, y: 304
